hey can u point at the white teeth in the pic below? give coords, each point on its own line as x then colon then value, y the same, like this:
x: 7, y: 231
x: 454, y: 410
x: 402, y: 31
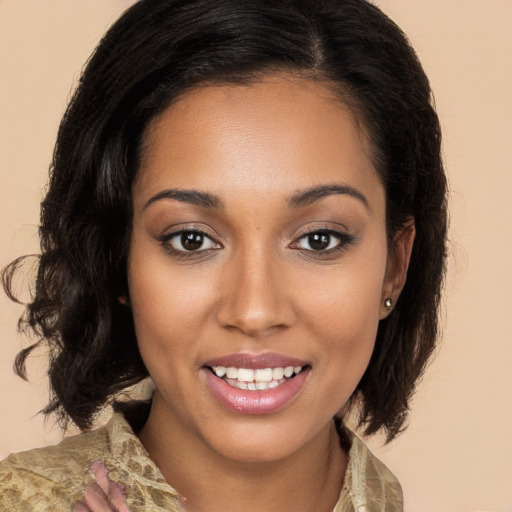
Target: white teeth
x: 260, y: 379
x: 220, y: 371
x: 288, y: 371
x: 277, y: 373
x: 232, y: 373
x: 254, y: 386
x: 264, y: 375
x: 246, y: 375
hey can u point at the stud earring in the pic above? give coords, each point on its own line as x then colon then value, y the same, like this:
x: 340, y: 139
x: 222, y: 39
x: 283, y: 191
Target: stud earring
x: 388, y: 303
x: 123, y: 300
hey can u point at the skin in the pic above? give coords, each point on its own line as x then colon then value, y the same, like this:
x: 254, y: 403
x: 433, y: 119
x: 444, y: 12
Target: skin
x: 103, y: 495
x: 256, y: 285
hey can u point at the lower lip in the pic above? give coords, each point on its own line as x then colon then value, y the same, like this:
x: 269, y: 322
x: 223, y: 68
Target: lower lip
x: 255, y: 402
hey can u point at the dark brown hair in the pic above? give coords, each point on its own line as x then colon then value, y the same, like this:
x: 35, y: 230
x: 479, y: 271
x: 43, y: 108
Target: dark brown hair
x: 153, y: 53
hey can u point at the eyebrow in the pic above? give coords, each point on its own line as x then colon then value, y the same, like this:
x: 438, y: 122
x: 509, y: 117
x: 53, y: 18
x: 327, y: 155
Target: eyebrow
x: 204, y: 199
x: 299, y: 200
x: 316, y: 193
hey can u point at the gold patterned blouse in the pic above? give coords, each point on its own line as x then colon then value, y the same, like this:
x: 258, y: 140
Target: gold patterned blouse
x: 53, y: 478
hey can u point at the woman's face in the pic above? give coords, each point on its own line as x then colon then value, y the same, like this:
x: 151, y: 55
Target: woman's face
x: 258, y: 251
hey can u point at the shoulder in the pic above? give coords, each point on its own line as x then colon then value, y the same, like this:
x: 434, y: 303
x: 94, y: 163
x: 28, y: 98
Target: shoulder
x: 50, y: 478
x: 369, y: 484
x: 53, y: 478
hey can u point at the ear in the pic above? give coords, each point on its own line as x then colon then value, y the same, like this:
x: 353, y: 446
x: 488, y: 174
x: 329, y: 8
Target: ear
x: 399, y: 256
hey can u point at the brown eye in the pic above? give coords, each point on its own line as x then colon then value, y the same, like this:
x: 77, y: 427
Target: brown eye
x: 319, y: 241
x: 323, y: 241
x: 190, y: 241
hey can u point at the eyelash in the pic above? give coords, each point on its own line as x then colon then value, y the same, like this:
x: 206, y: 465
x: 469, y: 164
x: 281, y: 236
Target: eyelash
x: 344, y: 240
x: 190, y: 254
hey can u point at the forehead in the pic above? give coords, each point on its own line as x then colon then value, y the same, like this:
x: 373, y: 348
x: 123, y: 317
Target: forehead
x: 280, y: 134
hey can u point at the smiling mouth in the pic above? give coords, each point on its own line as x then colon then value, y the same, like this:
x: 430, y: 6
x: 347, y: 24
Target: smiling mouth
x: 256, y: 380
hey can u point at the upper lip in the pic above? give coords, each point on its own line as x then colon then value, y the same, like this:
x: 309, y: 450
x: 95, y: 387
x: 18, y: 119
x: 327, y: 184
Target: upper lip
x: 255, y: 361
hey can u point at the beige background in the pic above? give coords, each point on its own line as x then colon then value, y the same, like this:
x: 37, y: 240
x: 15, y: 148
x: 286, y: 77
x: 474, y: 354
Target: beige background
x: 456, y: 455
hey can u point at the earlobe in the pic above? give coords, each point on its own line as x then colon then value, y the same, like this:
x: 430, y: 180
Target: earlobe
x: 398, y: 262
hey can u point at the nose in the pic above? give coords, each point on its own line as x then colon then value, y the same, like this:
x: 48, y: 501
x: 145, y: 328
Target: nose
x: 255, y: 298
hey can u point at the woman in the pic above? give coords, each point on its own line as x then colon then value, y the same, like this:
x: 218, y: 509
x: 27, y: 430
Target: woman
x: 247, y: 203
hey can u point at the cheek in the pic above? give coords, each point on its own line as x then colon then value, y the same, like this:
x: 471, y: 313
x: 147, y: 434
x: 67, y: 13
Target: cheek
x: 167, y: 302
x: 342, y: 309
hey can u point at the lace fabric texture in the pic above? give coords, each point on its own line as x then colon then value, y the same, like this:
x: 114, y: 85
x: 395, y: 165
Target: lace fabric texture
x: 53, y: 478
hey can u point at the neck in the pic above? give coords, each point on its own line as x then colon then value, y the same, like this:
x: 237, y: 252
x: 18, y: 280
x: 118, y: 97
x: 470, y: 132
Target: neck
x: 307, y: 480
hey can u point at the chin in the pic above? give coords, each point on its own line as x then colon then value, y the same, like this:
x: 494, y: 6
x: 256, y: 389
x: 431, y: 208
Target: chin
x: 264, y: 441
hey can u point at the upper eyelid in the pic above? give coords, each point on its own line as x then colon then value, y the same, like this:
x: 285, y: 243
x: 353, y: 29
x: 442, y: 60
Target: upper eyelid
x: 341, y: 231
x: 172, y: 234
x: 177, y: 230
x: 322, y: 230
